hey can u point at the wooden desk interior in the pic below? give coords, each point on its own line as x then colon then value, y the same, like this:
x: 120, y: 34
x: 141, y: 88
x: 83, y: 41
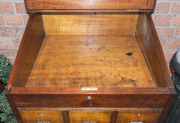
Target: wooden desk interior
x: 90, y: 61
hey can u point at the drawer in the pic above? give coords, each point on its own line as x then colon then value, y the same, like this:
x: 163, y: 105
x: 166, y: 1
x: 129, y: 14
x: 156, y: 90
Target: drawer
x: 89, y: 116
x: 58, y: 116
x: 138, y: 116
x: 146, y: 116
x: 93, y: 116
x: 41, y: 116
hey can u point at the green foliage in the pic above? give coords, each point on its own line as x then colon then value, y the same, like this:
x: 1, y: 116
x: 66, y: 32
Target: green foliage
x: 5, y: 69
x: 3, y: 116
x: 4, y: 105
x: 11, y: 119
x: 6, y: 113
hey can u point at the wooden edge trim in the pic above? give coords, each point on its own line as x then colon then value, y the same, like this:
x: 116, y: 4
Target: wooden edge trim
x: 19, y: 54
x: 166, y: 108
x: 22, y: 53
x: 57, y: 90
x: 87, y: 10
x: 161, y: 56
x: 94, y: 109
x: 114, y: 115
x: 65, y: 115
x: 14, y: 108
x: 145, y: 56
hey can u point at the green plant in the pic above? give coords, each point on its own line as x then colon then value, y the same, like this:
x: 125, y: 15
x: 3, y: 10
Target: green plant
x: 6, y: 113
x: 5, y: 69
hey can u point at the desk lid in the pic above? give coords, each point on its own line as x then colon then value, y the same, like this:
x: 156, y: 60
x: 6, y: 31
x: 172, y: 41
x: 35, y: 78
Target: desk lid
x: 89, y: 5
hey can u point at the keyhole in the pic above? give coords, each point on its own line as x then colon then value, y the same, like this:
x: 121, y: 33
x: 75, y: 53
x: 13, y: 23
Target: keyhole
x: 41, y: 114
x: 89, y: 97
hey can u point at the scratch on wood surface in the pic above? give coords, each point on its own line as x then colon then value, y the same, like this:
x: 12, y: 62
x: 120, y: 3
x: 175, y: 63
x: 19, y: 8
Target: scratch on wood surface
x: 100, y: 48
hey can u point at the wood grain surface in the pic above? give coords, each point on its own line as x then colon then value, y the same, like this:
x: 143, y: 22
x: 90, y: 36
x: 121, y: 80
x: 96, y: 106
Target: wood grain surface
x: 94, y: 11
x: 141, y: 116
x: 120, y: 54
x: 32, y: 116
x: 98, y: 116
x: 88, y: 4
x: 148, y: 39
x: 113, y: 116
x: 90, y: 61
x: 90, y: 24
x: 101, y: 116
x: 65, y: 115
x: 28, y: 51
x: 97, y: 100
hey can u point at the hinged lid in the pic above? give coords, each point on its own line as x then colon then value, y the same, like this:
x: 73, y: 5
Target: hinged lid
x: 99, y: 5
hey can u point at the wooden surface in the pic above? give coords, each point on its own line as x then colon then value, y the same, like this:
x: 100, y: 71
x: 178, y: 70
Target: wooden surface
x: 101, y: 90
x: 168, y: 105
x: 88, y: 4
x: 90, y: 61
x: 115, y: 56
x: 32, y: 116
x: 29, y: 48
x: 97, y: 100
x: 149, y: 42
x: 90, y: 24
x: 78, y: 115
x: 76, y: 11
x: 141, y: 116
x: 113, y: 116
x: 14, y: 107
x: 65, y: 115
x: 98, y: 116
x: 32, y: 39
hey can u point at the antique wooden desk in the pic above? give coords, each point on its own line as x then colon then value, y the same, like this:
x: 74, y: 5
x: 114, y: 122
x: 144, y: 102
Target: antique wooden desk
x: 90, y: 61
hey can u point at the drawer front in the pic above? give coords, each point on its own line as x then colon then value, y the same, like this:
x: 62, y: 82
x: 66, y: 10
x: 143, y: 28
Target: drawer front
x: 41, y: 116
x: 89, y: 116
x: 95, y: 101
x: 138, y: 116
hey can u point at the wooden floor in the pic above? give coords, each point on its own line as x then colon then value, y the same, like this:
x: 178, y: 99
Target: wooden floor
x: 90, y: 61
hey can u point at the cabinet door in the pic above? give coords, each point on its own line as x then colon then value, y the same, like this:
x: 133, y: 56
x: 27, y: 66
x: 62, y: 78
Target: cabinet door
x: 41, y: 116
x: 138, y: 116
x: 89, y: 116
